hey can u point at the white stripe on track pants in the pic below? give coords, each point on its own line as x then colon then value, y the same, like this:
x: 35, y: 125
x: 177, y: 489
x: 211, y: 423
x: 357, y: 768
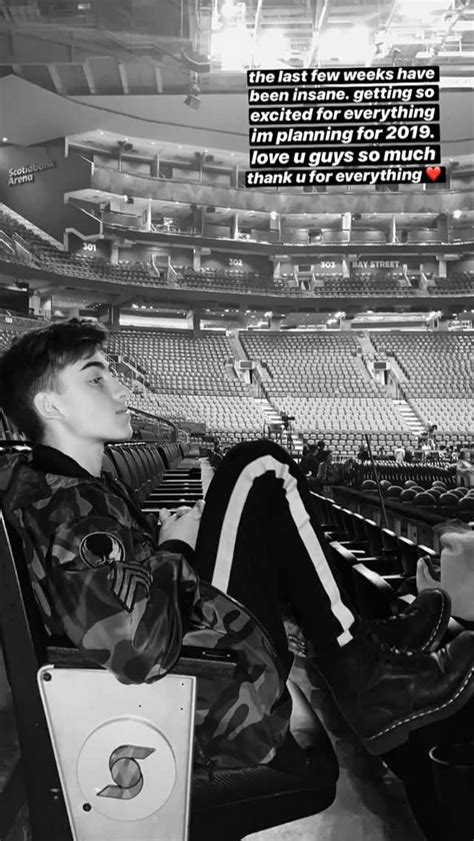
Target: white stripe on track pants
x: 259, y: 539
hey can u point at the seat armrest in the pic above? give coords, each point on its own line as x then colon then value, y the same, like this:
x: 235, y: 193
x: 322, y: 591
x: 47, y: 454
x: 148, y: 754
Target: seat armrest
x: 202, y: 662
x: 69, y: 657
x: 374, y: 578
x: 192, y: 661
x: 382, y: 566
x: 384, y: 592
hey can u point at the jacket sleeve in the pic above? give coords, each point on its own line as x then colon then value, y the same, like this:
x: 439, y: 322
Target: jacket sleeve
x: 123, y: 602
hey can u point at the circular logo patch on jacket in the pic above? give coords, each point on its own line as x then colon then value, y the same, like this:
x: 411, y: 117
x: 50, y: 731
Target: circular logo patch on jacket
x: 101, y: 547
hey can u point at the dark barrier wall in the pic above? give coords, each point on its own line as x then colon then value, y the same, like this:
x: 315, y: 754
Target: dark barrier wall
x: 466, y: 265
x: 139, y: 16
x: 238, y: 263
x: 33, y: 181
x: 100, y: 248
x: 179, y: 257
x: 14, y: 299
x: 215, y: 260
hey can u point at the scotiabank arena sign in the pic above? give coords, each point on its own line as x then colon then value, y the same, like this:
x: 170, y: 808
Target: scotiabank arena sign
x: 26, y: 174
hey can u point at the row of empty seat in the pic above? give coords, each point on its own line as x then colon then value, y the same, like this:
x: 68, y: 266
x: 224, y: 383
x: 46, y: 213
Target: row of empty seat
x: 452, y: 415
x: 221, y: 413
x: 343, y: 413
x: 317, y: 378
x: 315, y: 365
x: 178, y: 363
x: 434, y: 362
x: 43, y: 254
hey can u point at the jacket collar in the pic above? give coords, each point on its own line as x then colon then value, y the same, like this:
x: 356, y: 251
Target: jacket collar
x: 49, y: 460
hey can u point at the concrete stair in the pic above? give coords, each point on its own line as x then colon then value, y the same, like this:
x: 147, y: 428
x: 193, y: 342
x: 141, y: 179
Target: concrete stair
x: 271, y: 414
x: 297, y: 445
x: 290, y: 440
x: 410, y: 417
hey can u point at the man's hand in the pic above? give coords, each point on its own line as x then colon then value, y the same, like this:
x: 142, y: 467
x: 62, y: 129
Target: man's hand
x: 182, y: 525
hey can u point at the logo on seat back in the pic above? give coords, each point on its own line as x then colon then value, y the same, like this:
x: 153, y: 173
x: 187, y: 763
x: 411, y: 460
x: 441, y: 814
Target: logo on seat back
x: 126, y: 767
x: 125, y: 772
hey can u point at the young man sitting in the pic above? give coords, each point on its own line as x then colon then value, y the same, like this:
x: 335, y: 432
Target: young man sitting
x: 129, y: 596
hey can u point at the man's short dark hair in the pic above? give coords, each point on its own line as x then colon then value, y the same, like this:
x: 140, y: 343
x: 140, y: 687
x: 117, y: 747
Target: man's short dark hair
x: 33, y: 362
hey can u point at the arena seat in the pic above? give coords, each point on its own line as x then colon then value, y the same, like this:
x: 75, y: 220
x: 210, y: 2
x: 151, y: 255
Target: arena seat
x: 229, y: 805
x: 320, y: 380
x: 191, y: 380
x: 458, y: 283
x: 380, y: 595
x: 422, y: 475
x: 40, y: 250
x: 374, y: 596
x: 435, y: 364
x: 379, y: 548
x: 142, y: 467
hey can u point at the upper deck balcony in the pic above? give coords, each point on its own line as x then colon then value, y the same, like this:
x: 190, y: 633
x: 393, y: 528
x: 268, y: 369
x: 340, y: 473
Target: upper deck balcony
x: 186, y: 189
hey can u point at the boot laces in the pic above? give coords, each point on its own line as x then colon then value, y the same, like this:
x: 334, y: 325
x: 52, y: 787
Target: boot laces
x: 393, y: 650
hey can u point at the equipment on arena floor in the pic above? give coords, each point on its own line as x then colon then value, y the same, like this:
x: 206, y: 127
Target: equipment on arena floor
x: 376, y: 477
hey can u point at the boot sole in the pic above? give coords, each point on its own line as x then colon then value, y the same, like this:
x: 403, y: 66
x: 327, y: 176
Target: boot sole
x: 399, y: 732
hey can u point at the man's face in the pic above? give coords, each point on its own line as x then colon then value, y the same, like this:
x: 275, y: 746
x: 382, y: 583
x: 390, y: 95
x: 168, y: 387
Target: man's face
x: 93, y: 403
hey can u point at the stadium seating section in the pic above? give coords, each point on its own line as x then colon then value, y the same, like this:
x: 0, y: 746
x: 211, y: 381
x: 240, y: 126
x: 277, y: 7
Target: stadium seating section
x: 311, y: 365
x: 225, y: 280
x: 439, y: 371
x: 317, y: 378
x: 177, y: 363
x: 23, y: 244
x: 367, y: 283
x: 191, y: 379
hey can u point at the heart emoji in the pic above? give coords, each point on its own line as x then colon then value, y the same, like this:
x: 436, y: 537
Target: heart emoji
x: 433, y: 172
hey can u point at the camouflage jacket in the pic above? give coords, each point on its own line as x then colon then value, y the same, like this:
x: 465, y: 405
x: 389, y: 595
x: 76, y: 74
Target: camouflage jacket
x: 100, y: 578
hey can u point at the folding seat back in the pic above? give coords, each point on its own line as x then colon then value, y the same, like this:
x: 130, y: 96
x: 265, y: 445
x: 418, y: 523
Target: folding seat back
x: 339, y: 518
x: 390, y: 543
x: 358, y: 524
x: 137, y: 466
x: 165, y: 455
x: 109, y: 465
x: 146, y: 470
x: 374, y: 537
x: 375, y: 597
x: 122, y: 466
x: 135, y: 469
x: 78, y: 757
x: 319, y: 507
x: 348, y: 524
x: 408, y: 554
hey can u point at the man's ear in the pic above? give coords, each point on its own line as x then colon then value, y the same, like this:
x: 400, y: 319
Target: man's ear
x: 47, y: 405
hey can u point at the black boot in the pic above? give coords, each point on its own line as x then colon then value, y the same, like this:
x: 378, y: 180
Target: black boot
x: 385, y: 693
x: 421, y: 627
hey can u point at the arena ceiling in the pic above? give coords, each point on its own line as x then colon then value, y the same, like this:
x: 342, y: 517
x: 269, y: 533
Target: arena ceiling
x: 140, y: 47
x: 62, y: 60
